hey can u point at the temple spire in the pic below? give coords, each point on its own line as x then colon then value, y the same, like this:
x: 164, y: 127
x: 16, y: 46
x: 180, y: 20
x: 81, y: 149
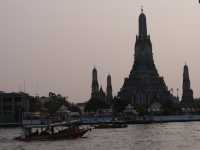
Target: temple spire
x: 186, y: 78
x: 142, y: 9
x: 142, y: 24
x: 95, y: 84
x: 109, y: 95
x: 187, y: 96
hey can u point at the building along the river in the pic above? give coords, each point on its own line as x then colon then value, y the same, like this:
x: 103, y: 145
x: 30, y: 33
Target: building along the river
x: 12, y: 105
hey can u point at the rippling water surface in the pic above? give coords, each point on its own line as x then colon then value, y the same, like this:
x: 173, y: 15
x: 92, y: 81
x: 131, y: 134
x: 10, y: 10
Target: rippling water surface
x: 168, y: 136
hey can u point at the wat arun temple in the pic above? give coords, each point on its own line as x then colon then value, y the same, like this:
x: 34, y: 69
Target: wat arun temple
x: 144, y: 86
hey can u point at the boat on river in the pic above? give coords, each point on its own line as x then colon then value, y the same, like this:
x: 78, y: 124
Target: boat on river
x: 56, y: 131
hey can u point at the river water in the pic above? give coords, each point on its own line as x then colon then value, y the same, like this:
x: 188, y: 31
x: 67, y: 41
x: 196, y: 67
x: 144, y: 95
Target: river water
x: 166, y: 136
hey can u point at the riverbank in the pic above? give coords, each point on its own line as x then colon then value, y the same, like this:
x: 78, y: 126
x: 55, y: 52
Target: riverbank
x: 94, y: 120
x: 170, y: 118
x: 142, y: 119
x: 9, y: 125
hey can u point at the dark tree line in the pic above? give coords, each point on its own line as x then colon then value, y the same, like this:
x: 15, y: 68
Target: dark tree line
x: 95, y: 104
x: 54, y: 102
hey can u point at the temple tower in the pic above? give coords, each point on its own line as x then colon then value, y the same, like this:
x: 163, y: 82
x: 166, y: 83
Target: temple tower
x: 144, y: 85
x: 109, y: 95
x: 95, y: 84
x: 187, y: 96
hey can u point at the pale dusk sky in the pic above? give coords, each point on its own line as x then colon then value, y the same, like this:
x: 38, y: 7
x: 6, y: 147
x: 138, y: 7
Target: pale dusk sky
x: 52, y: 45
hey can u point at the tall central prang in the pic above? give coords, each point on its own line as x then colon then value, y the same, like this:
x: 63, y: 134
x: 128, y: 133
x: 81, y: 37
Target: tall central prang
x: 144, y: 86
x: 143, y: 62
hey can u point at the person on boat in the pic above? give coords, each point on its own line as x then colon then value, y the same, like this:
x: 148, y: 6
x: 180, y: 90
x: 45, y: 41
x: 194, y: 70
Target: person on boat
x: 27, y: 133
x: 36, y: 133
x: 76, y: 130
x: 45, y: 133
x: 52, y: 130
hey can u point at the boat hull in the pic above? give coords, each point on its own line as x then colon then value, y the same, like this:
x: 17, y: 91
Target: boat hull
x: 53, y: 137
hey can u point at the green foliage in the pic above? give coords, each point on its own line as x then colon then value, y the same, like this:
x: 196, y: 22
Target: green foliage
x: 141, y: 110
x: 169, y: 108
x: 35, y: 104
x: 94, y: 104
x: 54, y: 103
x: 73, y: 107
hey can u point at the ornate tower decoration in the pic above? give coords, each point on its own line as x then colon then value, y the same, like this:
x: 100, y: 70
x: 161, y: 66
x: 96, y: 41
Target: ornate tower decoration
x: 144, y: 85
x: 109, y: 95
x: 142, y: 24
x: 102, y: 94
x: 98, y: 97
x: 95, y: 84
x: 187, y: 96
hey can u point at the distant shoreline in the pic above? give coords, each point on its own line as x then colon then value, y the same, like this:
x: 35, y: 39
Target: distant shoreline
x: 142, y: 120
x: 9, y: 125
x: 151, y: 119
